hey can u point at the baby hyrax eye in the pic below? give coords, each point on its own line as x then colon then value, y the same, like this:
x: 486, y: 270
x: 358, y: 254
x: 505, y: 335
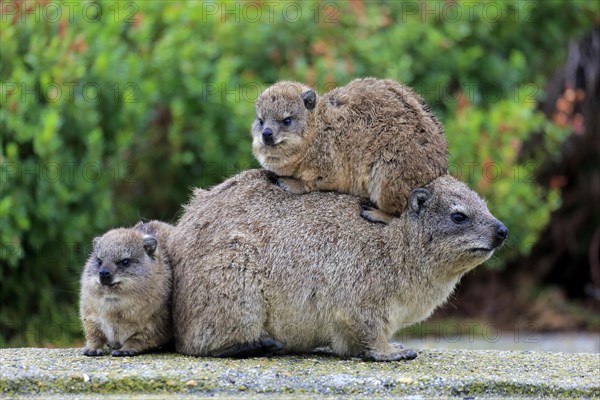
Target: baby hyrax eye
x: 98, y: 261
x: 125, y: 262
x: 287, y: 121
x: 260, y: 121
x: 459, y: 217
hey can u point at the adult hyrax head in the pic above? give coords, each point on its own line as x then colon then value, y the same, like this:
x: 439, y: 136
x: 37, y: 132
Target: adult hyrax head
x: 454, y: 225
x: 254, y: 264
x: 283, y: 114
x: 126, y: 291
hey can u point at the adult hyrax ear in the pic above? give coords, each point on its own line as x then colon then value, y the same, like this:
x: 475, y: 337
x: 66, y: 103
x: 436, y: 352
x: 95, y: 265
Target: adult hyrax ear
x: 310, y: 99
x: 150, y: 244
x: 418, y: 199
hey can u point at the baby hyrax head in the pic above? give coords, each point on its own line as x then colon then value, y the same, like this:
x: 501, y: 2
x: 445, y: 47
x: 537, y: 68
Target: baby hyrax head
x: 283, y: 117
x: 126, y: 291
x: 456, y: 228
x: 122, y: 260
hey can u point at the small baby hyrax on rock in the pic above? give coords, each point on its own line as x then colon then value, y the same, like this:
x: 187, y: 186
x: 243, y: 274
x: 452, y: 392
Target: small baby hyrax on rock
x: 371, y: 138
x: 126, y: 291
x: 258, y: 267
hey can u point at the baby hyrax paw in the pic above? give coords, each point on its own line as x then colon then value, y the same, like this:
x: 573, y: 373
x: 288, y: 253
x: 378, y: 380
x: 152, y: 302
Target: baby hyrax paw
x: 292, y: 185
x: 371, y: 213
x: 92, y: 352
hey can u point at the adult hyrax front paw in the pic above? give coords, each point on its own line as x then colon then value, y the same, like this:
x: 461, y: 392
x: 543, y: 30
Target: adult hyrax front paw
x: 390, y: 352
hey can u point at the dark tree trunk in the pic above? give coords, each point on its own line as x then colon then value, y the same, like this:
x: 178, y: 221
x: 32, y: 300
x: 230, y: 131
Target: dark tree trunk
x: 567, y: 253
x: 564, y: 264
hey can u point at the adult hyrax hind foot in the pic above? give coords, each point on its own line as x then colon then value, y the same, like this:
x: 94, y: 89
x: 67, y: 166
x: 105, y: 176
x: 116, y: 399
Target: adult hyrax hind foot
x: 371, y: 213
x: 124, y: 353
x: 258, y: 348
x: 390, y: 352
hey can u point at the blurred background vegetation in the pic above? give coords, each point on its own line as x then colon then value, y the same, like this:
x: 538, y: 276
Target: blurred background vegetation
x: 111, y: 111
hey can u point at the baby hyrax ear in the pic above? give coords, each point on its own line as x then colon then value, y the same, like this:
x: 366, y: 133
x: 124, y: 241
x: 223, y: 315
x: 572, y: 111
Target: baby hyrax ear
x: 310, y: 99
x: 418, y: 199
x: 95, y: 242
x: 150, y: 244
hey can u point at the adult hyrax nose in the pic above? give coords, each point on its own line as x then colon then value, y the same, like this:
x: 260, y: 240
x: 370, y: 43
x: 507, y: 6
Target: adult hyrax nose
x: 501, y: 234
x: 105, y: 277
x: 267, y: 135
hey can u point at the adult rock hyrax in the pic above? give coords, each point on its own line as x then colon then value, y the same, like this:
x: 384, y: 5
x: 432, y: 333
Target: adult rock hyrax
x: 126, y: 291
x: 255, y: 264
x: 371, y: 138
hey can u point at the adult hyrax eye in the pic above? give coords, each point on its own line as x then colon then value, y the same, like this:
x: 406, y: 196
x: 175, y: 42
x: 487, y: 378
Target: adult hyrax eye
x: 261, y: 122
x: 287, y: 121
x: 459, y: 218
x: 98, y: 261
x: 124, y: 262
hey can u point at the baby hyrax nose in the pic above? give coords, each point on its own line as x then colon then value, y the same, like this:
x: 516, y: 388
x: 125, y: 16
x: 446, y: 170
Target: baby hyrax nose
x: 105, y: 277
x: 267, y: 135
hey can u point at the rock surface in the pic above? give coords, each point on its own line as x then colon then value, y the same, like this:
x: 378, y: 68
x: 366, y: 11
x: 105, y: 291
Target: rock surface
x: 65, y: 373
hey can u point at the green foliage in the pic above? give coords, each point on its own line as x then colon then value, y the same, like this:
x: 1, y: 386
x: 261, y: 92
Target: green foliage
x: 111, y: 111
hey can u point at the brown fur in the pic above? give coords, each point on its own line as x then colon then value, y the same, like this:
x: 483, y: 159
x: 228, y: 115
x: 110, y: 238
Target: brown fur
x: 252, y: 262
x: 133, y: 315
x: 371, y: 138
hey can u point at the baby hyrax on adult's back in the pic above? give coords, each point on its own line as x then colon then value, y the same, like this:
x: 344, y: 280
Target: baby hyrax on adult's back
x: 126, y: 291
x: 254, y: 264
x: 371, y: 138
